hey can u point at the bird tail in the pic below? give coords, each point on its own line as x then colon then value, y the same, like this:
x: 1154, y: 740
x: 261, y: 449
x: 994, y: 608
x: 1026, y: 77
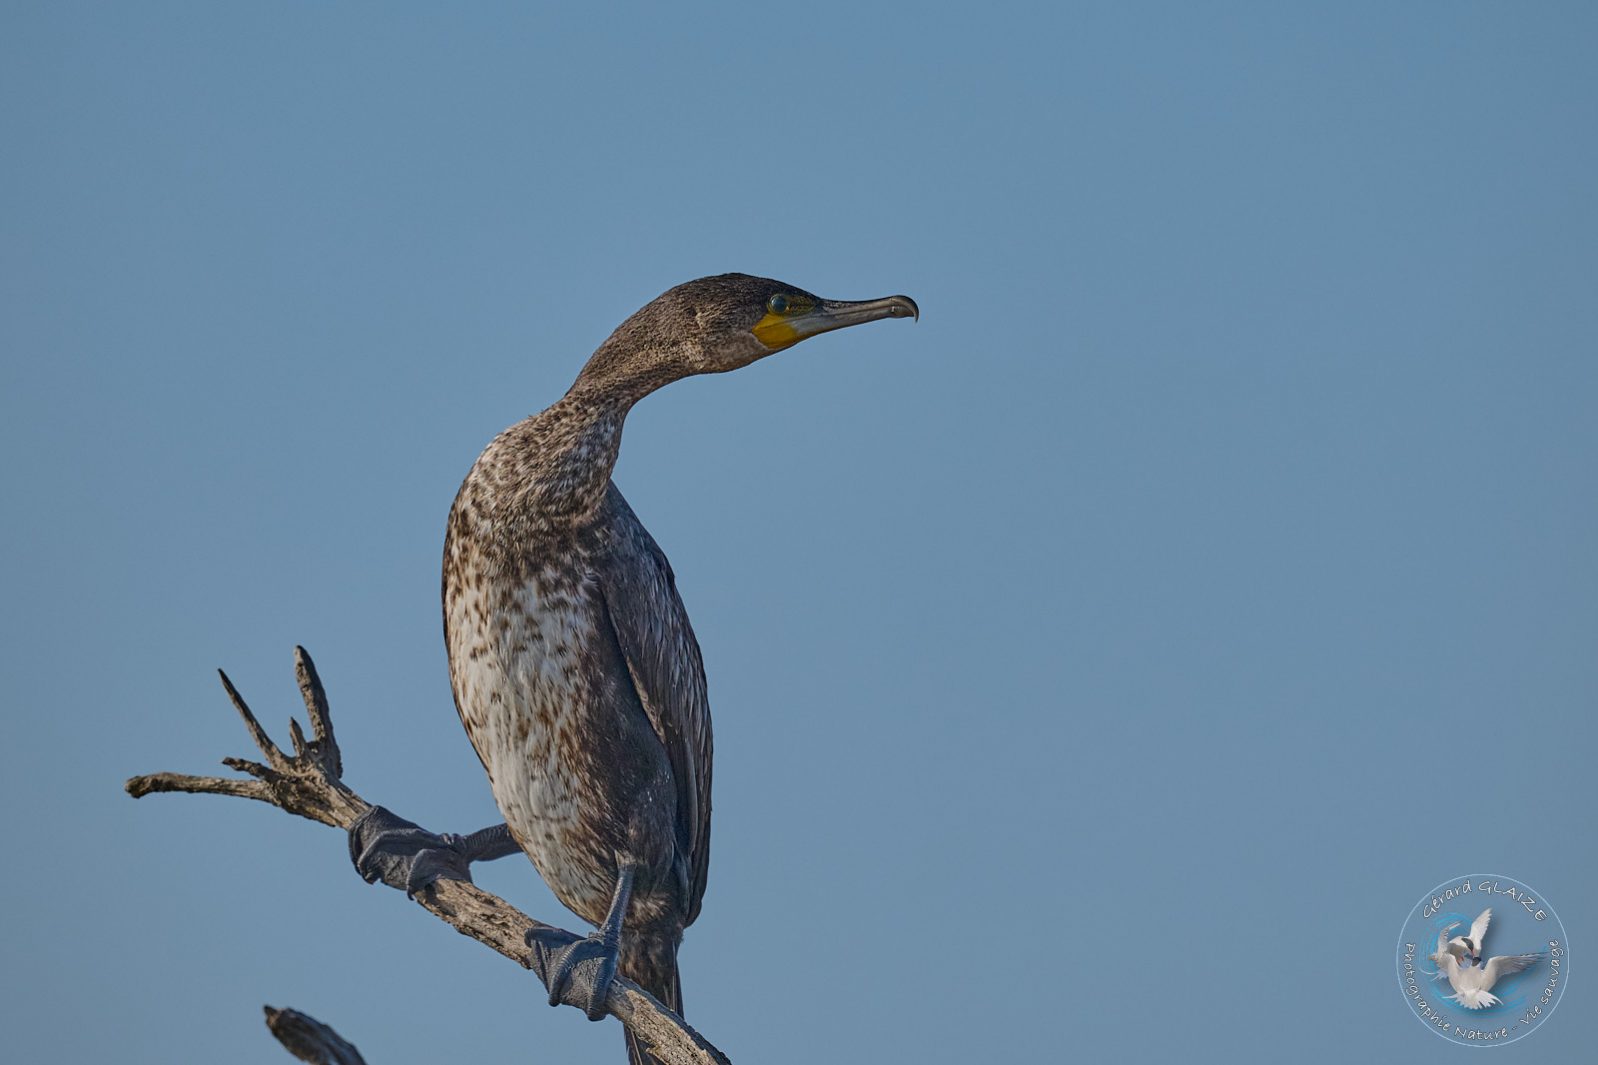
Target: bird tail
x: 1476, y: 999
x: 651, y: 963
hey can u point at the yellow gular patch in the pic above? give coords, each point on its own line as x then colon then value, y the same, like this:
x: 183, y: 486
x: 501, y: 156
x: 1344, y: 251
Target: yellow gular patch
x: 776, y: 331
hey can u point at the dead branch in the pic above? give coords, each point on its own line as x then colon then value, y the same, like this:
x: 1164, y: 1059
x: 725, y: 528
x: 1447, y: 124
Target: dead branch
x: 309, y: 783
x: 310, y: 1040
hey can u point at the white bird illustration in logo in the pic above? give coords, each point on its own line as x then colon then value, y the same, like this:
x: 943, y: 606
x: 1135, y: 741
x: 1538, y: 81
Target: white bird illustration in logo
x: 1466, y: 949
x: 1473, y: 984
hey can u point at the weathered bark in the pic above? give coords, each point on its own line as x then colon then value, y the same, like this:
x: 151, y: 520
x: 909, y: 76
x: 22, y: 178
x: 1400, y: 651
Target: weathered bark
x: 309, y: 783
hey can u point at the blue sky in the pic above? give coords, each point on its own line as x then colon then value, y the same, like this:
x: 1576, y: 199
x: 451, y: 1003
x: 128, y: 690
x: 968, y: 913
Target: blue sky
x: 1108, y: 661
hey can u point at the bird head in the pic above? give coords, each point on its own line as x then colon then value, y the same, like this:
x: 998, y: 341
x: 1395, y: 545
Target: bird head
x: 721, y: 323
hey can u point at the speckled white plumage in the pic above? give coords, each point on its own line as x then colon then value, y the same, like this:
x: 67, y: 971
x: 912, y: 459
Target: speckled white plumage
x: 512, y: 702
x: 577, y: 762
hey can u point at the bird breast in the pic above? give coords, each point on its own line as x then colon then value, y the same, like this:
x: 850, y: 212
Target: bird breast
x: 515, y: 649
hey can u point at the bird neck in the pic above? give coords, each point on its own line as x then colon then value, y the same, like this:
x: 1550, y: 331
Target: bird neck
x: 556, y: 465
x: 625, y: 369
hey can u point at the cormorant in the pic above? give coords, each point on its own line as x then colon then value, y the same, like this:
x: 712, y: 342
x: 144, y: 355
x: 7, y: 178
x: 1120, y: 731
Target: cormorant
x: 574, y: 668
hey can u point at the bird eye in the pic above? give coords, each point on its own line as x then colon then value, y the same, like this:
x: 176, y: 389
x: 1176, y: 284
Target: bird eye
x: 777, y: 305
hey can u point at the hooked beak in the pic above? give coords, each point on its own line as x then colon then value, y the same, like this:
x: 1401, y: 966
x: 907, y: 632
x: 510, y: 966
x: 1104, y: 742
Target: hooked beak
x: 781, y: 331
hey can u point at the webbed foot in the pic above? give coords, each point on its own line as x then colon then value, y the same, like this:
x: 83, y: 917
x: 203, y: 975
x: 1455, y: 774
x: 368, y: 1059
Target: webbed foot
x: 402, y: 854
x: 580, y: 971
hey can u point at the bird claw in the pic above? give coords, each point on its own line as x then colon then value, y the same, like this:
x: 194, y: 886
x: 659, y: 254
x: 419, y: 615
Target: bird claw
x: 386, y: 847
x: 580, y: 971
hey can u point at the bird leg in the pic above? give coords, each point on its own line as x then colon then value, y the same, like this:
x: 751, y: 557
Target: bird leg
x: 580, y: 972
x: 386, y: 847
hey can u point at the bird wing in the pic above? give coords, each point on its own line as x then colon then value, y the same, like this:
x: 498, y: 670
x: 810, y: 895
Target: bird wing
x: 1478, y: 928
x: 1442, y: 938
x: 1506, y: 964
x: 654, y: 635
x: 1457, y: 974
